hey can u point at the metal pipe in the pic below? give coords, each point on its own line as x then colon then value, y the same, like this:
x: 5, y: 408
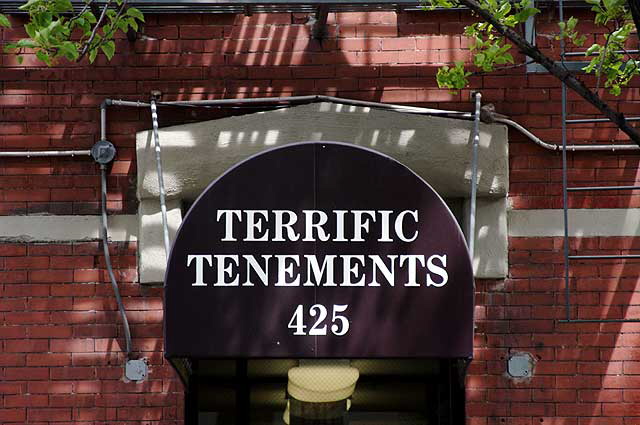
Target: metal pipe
x: 554, y: 147
x: 396, y: 107
x: 43, y: 154
x: 599, y: 321
x: 103, y: 119
x: 133, y: 104
x: 590, y: 188
x: 305, y: 99
x: 603, y: 257
x: 107, y: 258
x: 388, y: 106
x: 567, y: 54
x: 163, y: 204
x: 252, y: 100
x: 595, y: 120
x: 474, y: 177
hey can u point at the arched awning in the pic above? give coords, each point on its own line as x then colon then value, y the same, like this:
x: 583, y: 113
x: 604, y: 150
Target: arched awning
x: 319, y: 249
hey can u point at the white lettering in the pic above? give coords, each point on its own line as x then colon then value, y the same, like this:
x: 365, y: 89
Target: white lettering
x: 349, y: 271
x: 412, y: 260
x: 399, y: 224
x: 388, y: 273
x: 199, y: 267
x: 440, y: 271
x: 252, y: 264
x: 310, y: 225
x: 281, y: 225
x: 225, y: 271
x: 359, y: 224
x: 255, y: 224
x: 228, y: 223
x: 319, y: 272
x: 285, y: 271
x: 384, y: 226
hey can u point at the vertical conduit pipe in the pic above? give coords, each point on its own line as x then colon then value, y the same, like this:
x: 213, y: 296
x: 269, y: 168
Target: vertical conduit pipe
x: 107, y: 258
x: 474, y: 176
x: 163, y: 204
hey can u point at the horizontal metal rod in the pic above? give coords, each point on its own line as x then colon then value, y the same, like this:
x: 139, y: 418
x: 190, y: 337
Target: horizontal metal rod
x: 597, y: 53
x: 594, y: 120
x: 603, y: 257
x: 34, y: 154
x: 599, y: 320
x: 590, y: 188
x: 297, y: 99
x: 250, y: 100
x: 133, y: 104
x: 321, y: 98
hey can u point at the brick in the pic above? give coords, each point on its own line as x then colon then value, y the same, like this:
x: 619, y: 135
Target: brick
x: 31, y: 400
x: 7, y: 250
x: 26, y: 373
x: 13, y: 415
x: 49, y: 359
x: 72, y: 345
x: 53, y: 276
x: 50, y: 415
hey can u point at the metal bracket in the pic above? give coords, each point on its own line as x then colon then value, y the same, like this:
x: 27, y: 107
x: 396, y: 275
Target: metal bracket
x: 103, y: 152
x: 319, y: 30
x: 136, y: 370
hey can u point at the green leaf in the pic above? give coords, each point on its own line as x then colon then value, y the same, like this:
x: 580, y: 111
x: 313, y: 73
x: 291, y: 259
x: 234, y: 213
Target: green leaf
x: 135, y: 13
x: 92, y: 55
x: 593, y: 49
x: 20, y: 59
x: 109, y: 49
x: 31, y: 30
x: 44, y: 57
x: 90, y: 17
x: 69, y: 50
x: 4, y: 21
x: 26, y: 42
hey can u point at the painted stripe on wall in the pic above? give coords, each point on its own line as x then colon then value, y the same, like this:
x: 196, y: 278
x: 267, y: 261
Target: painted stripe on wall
x: 66, y: 228
x: 582, y: 222
x: 522, y: 223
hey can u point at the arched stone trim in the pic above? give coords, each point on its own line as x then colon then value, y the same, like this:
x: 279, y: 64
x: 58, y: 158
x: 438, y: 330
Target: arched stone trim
x: 437, y: 149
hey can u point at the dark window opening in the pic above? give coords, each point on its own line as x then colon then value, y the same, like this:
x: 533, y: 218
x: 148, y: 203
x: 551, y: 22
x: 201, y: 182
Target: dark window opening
x: 389, y: 392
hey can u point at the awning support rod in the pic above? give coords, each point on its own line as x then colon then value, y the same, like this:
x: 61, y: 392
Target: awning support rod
x: 163, y: 204
x: 474, y: 177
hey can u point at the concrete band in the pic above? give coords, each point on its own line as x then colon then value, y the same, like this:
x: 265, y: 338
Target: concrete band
x: 522, y: 223
x: 582, y: 222
x: 66, y: 228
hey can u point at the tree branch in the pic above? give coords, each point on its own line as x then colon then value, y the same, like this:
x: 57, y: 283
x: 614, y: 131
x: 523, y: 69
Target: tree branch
x: 94, y: 32
x: 559, y: 72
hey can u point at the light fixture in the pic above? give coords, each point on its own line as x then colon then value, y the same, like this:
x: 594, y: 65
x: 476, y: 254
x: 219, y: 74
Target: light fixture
x: 330, y: 382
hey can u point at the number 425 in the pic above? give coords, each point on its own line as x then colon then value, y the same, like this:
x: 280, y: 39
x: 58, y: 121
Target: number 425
x: 339, y: 327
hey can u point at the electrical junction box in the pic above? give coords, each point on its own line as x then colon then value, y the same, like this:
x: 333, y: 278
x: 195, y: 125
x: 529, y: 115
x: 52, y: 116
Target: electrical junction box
x: 136, y: 370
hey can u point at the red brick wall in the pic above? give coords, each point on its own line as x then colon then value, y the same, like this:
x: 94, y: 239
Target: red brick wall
x: 61, y: 341
x: 384, y: 57
x: 60, y: 338
x: 585, y: 373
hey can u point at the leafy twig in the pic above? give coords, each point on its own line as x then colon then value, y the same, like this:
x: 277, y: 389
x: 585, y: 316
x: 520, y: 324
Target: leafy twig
x: 85, y: 49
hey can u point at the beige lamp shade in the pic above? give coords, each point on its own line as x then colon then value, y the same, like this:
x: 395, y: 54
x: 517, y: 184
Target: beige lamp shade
x: 321, y: 383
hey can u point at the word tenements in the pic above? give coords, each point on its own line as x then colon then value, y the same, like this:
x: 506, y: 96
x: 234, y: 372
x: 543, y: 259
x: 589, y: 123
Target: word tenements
x: 276, y: 254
